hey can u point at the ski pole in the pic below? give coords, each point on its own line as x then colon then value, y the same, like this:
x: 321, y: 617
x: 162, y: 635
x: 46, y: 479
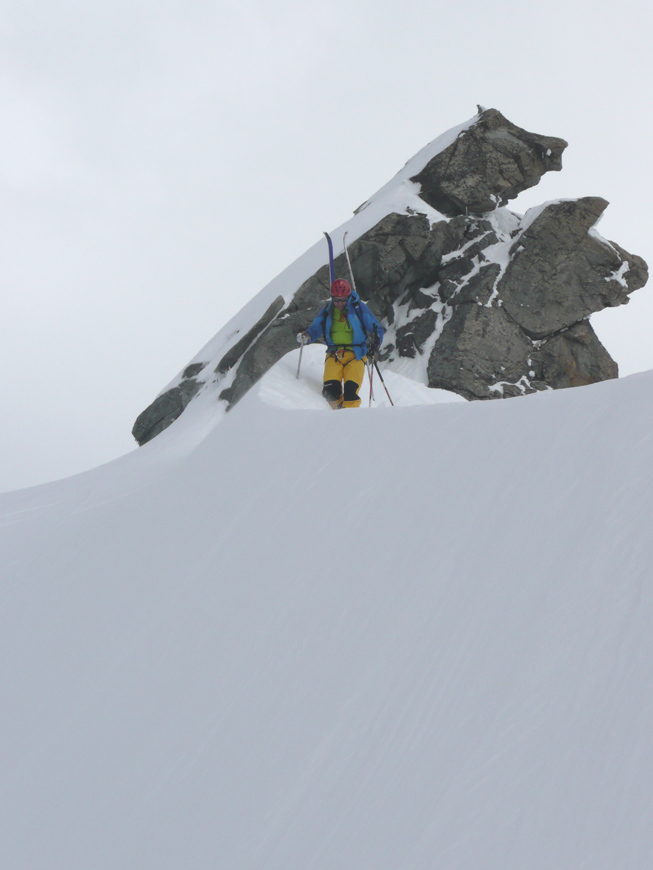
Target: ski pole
x: 351, y: 271
x: 370, y: 375
x: 376, y: 366
x: 299, y: 364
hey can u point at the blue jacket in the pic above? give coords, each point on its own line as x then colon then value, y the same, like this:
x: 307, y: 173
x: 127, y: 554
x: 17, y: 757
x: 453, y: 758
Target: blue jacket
x: 362, y: 326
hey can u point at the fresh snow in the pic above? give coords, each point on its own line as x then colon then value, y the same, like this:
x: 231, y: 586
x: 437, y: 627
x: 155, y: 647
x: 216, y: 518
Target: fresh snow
x: 280, y: 386
x: 394, y: 638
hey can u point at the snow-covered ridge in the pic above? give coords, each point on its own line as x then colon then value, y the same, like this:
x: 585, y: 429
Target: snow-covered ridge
x: 417, y: 163
x: 461, y: 678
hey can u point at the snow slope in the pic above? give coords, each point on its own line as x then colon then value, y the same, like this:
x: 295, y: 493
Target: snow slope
x: 396, y: 638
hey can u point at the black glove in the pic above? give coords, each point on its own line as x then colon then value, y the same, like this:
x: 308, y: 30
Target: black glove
x: 373, y: 344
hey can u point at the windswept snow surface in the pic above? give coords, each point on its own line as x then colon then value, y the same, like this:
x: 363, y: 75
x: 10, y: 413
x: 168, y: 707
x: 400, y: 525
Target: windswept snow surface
x: 395, y: 638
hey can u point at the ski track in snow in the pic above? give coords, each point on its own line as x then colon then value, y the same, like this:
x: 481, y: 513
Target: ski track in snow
x: 392, y: 638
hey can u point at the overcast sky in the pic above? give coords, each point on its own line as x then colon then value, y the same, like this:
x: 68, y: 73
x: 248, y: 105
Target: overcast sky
x: 161, y: 161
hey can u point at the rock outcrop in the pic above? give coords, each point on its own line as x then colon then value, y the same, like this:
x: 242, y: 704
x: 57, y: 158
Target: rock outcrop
x: 488, y: 303
x: 488, y: 166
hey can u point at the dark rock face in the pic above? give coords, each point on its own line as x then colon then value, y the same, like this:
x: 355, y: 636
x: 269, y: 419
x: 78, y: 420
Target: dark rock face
x: 483, y: 354
x: 237, y: 350
x: 560, y: 274
x: 573, y: 358
x: 165, y: 409
x: 479, y: 348
x: 487, y: 166
x: 169, y: 405
x: 279, y: 336
x: 486, y: 303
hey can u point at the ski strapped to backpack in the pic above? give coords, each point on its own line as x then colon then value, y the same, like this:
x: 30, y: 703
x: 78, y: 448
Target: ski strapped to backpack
x: 351, y: 271
x: 372, y: 338
x: 354, y: 305
x: 331, y: 270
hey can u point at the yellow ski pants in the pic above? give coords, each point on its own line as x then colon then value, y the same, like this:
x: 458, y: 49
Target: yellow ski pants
x: 342, y: 366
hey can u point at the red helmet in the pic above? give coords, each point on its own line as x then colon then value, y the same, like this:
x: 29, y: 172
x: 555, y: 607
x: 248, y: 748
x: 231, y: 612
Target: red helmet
x: 340, y: 288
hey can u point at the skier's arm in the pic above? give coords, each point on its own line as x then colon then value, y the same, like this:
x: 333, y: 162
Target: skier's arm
x: 314, y: 331
x: 371, y: 324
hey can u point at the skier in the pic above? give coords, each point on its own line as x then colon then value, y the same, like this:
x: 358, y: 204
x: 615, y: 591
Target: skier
x: 350, y: 331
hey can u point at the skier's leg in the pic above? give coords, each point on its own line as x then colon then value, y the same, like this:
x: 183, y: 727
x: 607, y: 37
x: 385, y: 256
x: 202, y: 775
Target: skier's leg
x: 332, y: 387
x: 354, y: 374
